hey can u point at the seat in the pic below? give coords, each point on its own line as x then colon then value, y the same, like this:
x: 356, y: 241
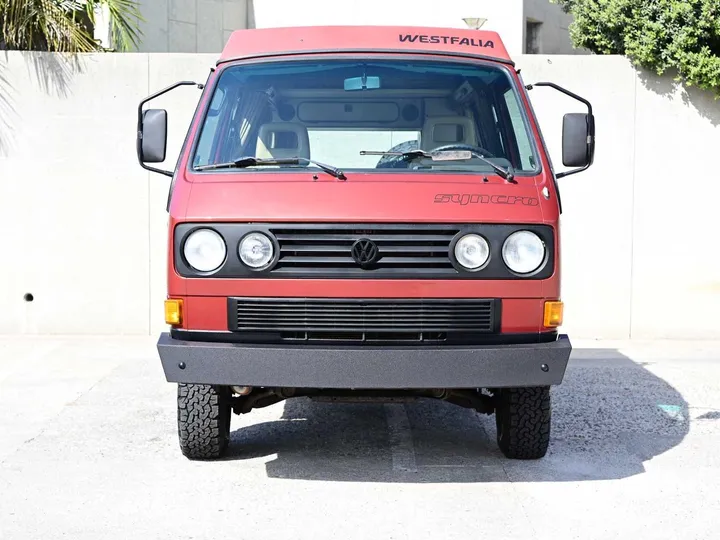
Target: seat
x: 445, y: 130
x: 278, y: 140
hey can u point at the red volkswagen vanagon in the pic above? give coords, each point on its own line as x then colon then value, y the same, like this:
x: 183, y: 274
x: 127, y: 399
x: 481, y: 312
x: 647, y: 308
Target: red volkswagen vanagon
x: 364, y: 213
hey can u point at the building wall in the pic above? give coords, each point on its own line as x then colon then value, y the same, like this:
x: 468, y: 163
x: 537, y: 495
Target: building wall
x: 204, y: 25
x: 188, y: 26
x: 554, y: 36
x: 504, y: 16
x: 85, y: 227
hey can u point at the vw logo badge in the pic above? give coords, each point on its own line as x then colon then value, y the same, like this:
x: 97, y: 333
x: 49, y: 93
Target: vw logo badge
x: 365, y: 252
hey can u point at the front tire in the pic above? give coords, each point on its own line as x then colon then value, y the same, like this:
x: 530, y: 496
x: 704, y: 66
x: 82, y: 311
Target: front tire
x: 203, y: 420
x: 522, y: 416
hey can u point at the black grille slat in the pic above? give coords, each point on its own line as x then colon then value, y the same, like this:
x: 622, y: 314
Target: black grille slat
x: 339, y: 321
x: 404, y: 236
x: 350, y: 319
x: 346, y: 259
x: 351, y: 313
x: 327, y: 250
x: 323, y: 248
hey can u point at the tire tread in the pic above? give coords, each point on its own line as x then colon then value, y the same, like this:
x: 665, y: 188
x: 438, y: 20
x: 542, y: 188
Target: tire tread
x: 203, y: 420
x: 523, y: 419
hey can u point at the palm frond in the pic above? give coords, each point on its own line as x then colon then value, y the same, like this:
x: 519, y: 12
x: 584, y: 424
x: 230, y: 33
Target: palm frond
x: 66, y: 25
x: 124, y: 21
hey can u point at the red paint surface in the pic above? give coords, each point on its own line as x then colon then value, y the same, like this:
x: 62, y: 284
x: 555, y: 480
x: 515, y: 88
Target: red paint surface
x: 271, y: 196
x: 276, y: 41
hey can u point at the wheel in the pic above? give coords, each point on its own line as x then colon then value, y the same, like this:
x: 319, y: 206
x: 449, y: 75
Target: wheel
x: 522, y: 416
x: 203, y: 420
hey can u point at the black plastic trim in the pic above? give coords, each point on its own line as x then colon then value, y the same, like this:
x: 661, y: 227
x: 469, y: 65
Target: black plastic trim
x: 276, y: 253
x: 139, y: 136
x: 204, y: 336
x: 495, y: 234
x: 372, y: 321
x: 366, y: 51
x: 590, y: 120
x: 180, y: 252
x: 364, y: 367
x: 453, y: 259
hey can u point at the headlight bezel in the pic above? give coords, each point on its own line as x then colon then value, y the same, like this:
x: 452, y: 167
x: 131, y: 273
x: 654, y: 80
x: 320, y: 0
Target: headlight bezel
x: 536, y: 269
x: 188, y: 236
x: 453, y: 256
x: 275, y: 251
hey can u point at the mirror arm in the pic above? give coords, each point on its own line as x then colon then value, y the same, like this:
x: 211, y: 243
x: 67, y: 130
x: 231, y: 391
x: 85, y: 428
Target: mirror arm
x: 564, y: 91
x: 571, y: 171
x: 140, y: 120
x: 590, y: 114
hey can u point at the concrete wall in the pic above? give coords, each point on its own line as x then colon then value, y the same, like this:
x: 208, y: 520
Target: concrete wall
x: 204, y: 25
x: 188, y: 26
x: 84, y: 226
x: 554, y: 36
x: 504, y: 16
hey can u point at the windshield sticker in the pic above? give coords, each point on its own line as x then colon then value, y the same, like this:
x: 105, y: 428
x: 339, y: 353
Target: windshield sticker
x: 452, y: 40
x: 463, y: 199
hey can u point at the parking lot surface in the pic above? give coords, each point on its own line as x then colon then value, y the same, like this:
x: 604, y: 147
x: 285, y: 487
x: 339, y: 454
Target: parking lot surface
x: 88, y: 450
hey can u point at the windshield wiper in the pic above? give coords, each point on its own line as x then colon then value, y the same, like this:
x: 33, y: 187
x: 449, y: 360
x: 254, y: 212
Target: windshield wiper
x: 446, y: 155
x: 249, y: 161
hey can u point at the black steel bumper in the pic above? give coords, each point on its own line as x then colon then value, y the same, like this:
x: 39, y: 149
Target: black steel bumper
x: 364, y: 367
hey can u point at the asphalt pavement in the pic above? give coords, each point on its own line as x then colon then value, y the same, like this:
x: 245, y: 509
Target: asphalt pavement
x: 88, y: 450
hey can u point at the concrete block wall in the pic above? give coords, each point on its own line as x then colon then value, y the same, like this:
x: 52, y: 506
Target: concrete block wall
x: 204, y: 25
x: 84, y: 226
x: 189, y: 26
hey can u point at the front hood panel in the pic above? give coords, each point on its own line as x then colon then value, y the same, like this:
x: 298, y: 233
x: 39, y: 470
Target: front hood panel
x: 361, y: 198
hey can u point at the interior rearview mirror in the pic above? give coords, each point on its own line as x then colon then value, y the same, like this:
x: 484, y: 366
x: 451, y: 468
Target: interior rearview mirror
x: 362, y: 83
x: 154, y: 136
x: 578, y: 140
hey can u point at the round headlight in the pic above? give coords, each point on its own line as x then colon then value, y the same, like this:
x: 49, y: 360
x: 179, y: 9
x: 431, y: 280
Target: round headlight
x: 472, y: 251
x: 523, y: 252
x: 204, y: 250
x: 256, y: 250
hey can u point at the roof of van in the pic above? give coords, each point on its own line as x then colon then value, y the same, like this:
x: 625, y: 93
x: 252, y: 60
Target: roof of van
x: 317, y: 39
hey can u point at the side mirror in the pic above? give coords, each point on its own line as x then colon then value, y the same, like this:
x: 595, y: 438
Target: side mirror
x: 151, y: 143
x: 578, y: 134
x: 578, y: 140
x: 153, y: 136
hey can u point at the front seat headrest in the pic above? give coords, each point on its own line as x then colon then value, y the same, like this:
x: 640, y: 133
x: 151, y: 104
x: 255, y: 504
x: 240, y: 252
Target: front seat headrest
x: 445, y: 130
x: 278, y: 140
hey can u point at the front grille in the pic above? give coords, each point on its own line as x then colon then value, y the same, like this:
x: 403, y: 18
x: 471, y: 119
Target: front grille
x: 366, y: 320
x: 327, y: 250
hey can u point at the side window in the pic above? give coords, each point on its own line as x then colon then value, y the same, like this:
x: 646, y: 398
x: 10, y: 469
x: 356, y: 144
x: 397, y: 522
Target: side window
x: 522, y: 139
x: 210, y: 128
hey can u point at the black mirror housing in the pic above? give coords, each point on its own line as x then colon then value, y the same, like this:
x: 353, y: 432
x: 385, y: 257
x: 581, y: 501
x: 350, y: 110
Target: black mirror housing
x: 151, y: 142
x: 578, y: 134
x: 153, y: 134
x: 578, y: 140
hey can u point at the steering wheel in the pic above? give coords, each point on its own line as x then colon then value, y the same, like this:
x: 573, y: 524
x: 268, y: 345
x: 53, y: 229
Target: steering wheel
x: 477, y: 149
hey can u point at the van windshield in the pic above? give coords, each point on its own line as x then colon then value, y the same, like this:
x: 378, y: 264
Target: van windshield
x: 332, y: 110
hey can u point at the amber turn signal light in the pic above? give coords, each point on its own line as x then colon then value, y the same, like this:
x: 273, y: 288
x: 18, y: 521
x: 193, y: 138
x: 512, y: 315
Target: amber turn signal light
x: 553, y: 316
x: 173, y: 312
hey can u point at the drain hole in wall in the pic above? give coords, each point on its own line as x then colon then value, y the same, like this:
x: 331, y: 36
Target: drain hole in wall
x: 29, y: 297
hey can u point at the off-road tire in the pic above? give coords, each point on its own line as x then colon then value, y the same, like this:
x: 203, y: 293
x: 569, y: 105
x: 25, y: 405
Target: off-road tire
x: 203, y: 420
x: 522, y: 416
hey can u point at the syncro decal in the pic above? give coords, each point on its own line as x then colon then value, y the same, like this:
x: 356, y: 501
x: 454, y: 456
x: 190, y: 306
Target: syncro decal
x: 464, y: 199
x: 452, y: 40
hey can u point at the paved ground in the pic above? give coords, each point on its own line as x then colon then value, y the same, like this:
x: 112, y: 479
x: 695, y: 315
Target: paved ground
x: 88, y: 450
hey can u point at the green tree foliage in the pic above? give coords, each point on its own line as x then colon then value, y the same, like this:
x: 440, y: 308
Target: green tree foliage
x: 659, y: 35
x: 65, y: 25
